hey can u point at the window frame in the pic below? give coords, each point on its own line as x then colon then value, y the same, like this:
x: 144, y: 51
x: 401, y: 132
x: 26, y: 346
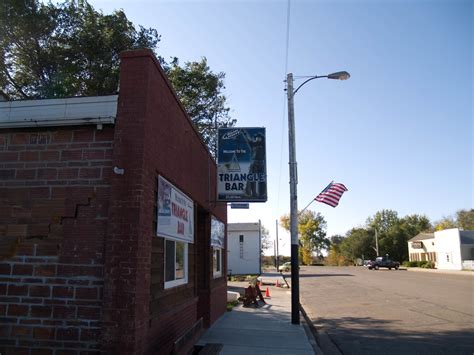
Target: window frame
x: 217, y: 273
x: 176, y: 282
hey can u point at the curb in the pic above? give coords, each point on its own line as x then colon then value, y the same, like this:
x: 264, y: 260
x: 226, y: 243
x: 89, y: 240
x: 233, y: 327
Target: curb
x: 310, y: 332
x: 442, y: 271
x: 318, y: 339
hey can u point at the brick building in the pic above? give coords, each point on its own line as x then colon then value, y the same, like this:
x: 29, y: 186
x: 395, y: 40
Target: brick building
x: 82, y: 267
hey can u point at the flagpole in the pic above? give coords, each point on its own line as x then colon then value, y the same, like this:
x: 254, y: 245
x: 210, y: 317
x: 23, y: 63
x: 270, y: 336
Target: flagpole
x: 314, y: 199
x: 325, y: 188
x: 304, y: 209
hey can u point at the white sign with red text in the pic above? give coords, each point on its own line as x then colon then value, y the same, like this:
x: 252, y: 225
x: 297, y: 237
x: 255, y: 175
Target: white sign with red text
x: 175, y: 213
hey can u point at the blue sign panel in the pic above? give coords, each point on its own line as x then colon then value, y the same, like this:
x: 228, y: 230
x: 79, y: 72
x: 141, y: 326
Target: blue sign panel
x: 241, y: 171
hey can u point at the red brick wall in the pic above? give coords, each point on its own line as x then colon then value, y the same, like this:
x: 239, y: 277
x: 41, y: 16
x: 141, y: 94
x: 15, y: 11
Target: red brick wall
x: 54, y: 195
x: 153, y: 137
x: 212, y: 291
x: 218, y: 299
x: 170, y: 326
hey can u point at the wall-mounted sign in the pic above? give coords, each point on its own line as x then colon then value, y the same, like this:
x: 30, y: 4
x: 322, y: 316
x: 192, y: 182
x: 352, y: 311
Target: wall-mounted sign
x: 239, y: 205
x: 241, y: 167
x: 217, y: 233
x: 417, y: 245
x: 175, y: 213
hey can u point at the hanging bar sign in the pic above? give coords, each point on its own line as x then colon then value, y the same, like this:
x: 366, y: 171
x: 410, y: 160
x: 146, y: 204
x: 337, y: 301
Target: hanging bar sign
x: 241, y: 167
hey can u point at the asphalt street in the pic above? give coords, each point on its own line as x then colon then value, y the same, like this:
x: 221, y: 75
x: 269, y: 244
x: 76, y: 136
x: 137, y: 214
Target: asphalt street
x: 361, y: 311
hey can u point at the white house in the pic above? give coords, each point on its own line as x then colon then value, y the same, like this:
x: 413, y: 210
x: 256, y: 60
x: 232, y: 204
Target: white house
x: 422, y: 247
x: 455, y: 248
x: 450, y: 249
x: 243, y: 248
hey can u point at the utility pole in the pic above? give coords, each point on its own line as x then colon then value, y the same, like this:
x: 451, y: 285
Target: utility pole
x: 277, y: 258
x: 295, y: 283
x: 295, y: 286
x: 376, y: 242
x: 260, y: 245
x: 274, y: 255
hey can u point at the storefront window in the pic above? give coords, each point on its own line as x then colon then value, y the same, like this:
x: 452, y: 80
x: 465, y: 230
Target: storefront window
x: 217, y: 262
x: 176, y: 254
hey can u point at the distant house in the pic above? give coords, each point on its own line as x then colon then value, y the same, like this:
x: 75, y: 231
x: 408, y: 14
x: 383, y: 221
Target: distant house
x: 450, y: 249
x: 455, y: 248
x: 244, y: 246
x: 422, y: 247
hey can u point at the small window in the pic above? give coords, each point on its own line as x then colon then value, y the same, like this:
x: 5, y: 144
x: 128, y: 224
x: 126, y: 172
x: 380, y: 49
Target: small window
x: 447, y: 258
x: 176, y: 263
x: 241, y: 246
x: 217, y: 262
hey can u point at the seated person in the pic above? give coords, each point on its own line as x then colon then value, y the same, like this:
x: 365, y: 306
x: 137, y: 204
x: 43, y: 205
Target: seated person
x: 252, y: 292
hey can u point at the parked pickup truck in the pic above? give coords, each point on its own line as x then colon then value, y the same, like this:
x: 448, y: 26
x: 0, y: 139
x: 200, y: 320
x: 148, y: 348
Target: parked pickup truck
x: 383, y: 261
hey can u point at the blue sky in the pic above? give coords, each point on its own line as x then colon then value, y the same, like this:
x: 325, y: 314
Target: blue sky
x: 398, y: 134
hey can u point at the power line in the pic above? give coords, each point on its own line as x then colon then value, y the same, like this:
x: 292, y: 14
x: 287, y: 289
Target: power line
x: 288, y: 12
x: 287, y: 36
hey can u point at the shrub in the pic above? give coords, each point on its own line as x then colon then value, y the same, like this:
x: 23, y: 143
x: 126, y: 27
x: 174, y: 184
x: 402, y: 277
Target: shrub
x: 428, y: 265
x: 231, y: 305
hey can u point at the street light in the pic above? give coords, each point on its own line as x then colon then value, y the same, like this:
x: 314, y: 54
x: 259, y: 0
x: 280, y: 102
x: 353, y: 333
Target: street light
x: 295, y: 286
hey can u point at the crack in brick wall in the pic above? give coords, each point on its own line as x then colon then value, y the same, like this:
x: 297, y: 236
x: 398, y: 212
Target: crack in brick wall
x: 15, y: 235
x: 54, y: 196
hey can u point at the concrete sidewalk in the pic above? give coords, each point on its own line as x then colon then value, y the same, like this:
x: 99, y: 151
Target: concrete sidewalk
x: 442, y: 271
x: 263, y: 330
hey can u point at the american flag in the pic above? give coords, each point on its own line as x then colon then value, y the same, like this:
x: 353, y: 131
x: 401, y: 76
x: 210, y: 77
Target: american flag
x: 331, y: 194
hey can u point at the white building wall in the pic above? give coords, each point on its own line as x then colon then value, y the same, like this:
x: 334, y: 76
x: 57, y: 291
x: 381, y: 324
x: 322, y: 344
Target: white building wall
x: 243, y: 258
x: 448, y: 245
x: 429, y: 246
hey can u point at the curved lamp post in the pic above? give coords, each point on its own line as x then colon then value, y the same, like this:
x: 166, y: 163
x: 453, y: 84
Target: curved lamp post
x: 295, y: 287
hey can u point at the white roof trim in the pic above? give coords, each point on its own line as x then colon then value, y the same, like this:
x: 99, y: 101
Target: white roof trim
x: 238, y: 227
x: 59, y: 112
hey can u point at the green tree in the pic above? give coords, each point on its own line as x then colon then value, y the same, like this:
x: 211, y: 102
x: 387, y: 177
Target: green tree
x: 358, y: 243
x: 200, y: 91
x: 50, y: 51
x: 445, y: 223
x: 465, y: 219
x: 70, y: 49
x: 335, y: 257
x: 394, y: 232
x: 408, y: 227
x: 384, y: 223
x: 336, y: 239
x: 265, y: 241
x: 414, y: 224
x: 383, y: 220
x: 311, y: 232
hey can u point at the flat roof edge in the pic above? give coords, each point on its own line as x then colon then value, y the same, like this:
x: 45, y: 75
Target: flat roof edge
x: 73, y: 111
x: 56, y: 123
